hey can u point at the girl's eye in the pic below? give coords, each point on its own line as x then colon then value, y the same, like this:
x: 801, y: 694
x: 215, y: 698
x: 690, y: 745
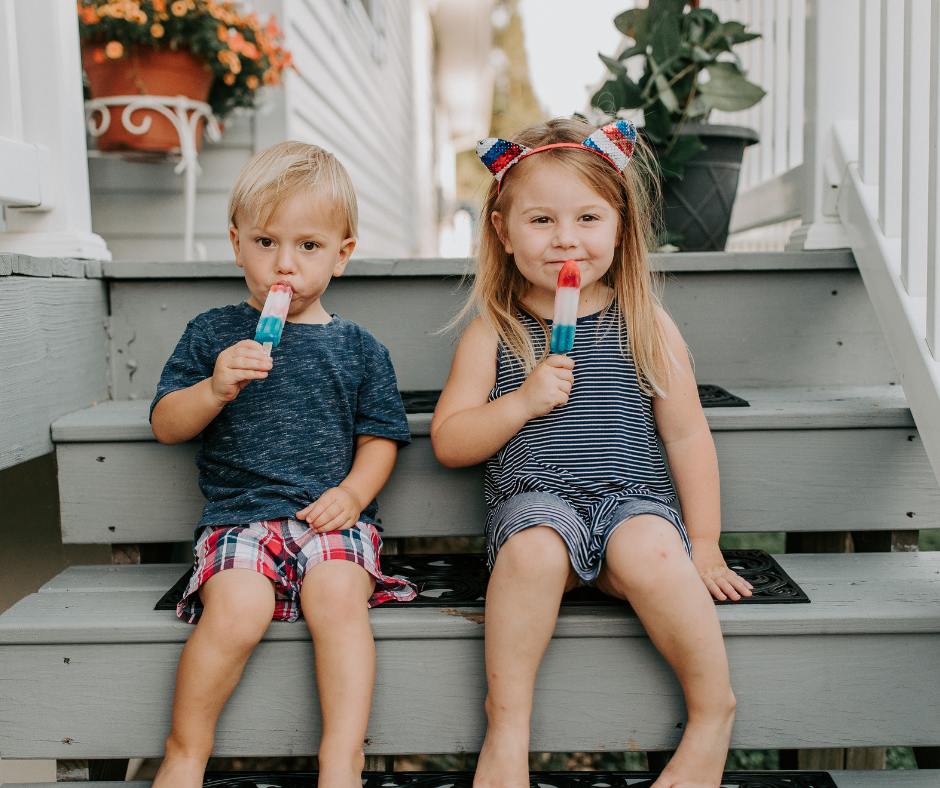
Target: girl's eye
x: 265, y: 243
x: 309, y: 246
x: 541, y: 220
x: 588, y: 218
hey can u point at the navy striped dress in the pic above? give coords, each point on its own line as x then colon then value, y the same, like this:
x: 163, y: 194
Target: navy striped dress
x: 585, y: 467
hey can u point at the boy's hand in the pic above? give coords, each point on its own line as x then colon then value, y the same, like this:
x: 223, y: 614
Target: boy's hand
x: 336, y: 510
x: 721, y: 582
x: 548, y: 386
x: 237, y: 366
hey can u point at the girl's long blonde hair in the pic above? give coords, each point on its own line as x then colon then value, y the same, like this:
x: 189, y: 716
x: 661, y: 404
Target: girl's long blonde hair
x: 498, y: 286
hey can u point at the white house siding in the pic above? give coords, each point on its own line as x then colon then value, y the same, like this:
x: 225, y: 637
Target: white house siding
x: 355, y: 93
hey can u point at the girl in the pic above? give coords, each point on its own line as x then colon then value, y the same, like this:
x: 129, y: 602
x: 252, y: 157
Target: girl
x: 576, y: 487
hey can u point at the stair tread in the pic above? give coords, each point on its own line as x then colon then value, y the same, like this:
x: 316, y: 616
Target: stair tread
x: 828, y: 407
x: 824, y: 259
x: 850, y: 593
x: 873, y: 778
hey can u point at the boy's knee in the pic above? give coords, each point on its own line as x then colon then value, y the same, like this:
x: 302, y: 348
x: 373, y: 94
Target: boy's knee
x: 335, y: 589
x: 536, y: 551
x: 240, y: 618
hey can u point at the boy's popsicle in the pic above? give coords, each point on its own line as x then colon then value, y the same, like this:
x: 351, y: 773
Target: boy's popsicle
x: 273, y: 316
x: 566, y: 307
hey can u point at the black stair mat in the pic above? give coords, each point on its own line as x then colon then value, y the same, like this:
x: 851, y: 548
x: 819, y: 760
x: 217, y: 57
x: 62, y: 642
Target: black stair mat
x: 710, y: 396
x: 457, y: 580
x: 536, y: 780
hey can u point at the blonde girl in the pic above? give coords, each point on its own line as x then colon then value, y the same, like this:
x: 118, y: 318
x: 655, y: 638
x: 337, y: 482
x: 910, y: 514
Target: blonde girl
x: 576, y: 487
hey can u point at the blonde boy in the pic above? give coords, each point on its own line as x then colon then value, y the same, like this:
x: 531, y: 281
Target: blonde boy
x: 295, y: 447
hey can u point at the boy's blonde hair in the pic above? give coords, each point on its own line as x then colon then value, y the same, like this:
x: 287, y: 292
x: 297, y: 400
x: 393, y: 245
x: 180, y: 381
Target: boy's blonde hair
x: 498, y: 285
x: 274, y: 175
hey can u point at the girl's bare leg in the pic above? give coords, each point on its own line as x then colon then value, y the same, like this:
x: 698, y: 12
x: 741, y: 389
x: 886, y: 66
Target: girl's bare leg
x: 334, y: 597
x: 532, y: 571
x: 238, y: 606
x: 646, y: 564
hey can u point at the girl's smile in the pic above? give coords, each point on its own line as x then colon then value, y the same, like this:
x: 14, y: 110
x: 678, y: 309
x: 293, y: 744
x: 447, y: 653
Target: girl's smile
x: 555, y: 217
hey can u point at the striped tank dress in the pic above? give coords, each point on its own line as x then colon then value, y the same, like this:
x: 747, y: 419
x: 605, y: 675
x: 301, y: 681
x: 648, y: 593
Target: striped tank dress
x: 587, y: 466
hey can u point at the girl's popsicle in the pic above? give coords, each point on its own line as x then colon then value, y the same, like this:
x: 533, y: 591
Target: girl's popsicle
x: 273, y: 316
x: 566, y: 307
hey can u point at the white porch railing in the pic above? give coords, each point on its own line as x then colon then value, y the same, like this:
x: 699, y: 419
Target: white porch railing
x: 43, y: 165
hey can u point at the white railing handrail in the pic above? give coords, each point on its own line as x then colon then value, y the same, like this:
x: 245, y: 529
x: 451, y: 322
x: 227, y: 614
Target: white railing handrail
x: 887, y: 198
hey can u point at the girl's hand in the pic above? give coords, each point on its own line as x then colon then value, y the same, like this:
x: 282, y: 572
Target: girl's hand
x: 548, y: 386
x: 336, y: 510
x: 237, y: 366
x: 721, y: 582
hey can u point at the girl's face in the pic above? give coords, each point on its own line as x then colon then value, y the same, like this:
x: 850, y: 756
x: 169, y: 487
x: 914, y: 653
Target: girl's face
x: 556, y: 216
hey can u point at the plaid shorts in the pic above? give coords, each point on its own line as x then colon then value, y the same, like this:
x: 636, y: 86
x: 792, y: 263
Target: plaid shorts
x: 284, y: 550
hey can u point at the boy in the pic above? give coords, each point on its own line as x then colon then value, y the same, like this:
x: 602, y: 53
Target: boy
x: 295, y: 446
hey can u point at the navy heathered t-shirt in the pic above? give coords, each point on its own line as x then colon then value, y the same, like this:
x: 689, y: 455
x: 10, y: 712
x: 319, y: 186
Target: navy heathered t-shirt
x: 286, y: 439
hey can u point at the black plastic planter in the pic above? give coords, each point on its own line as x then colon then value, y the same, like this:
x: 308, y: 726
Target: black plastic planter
x: 698, y: 207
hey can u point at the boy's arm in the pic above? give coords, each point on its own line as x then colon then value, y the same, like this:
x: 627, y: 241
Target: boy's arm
x: 339, y: 507
x: 690, y: 451
x: 182, y: 414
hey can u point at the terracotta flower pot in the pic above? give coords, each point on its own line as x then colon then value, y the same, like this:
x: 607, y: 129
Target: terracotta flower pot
x: 145, y: 71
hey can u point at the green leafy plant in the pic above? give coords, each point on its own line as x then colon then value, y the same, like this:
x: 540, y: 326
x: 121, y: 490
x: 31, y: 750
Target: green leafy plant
x: 689, y: 68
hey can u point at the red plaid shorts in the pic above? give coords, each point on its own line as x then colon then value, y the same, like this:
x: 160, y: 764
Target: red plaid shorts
x: 284, y: 550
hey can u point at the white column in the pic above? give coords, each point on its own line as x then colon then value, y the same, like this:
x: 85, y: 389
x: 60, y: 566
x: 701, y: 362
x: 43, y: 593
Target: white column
x: 933, y: 193
x: 53, y: 117
x: 869, y: 93
x: 830, y: 95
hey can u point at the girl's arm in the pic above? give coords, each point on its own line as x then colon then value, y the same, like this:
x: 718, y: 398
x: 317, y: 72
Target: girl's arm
x: 467, y: 429
x: 690, y: 451
x: 339, y: 507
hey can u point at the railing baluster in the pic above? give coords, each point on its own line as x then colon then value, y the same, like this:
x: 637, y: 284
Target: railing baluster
x: 892, y: 107
x: 868, y: 91
x: 915, y: 140
x: 770, y: 85
x: 797, y: 66
x: 933, y: 192
x: 781, y: 79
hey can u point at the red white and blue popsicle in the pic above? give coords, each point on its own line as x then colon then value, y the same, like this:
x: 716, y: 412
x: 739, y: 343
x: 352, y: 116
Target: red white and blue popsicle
x: 566, y: 307
x: 273, y: 316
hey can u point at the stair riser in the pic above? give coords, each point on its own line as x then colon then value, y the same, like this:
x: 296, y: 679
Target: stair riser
x: 771, y: 480
x: 744, y: 328
x: 595, y: 694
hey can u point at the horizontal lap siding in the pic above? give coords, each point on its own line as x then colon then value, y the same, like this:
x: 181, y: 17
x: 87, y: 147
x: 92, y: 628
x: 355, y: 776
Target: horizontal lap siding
x: 52, y: 358
x: 360, y: 107
x: 343, y: 98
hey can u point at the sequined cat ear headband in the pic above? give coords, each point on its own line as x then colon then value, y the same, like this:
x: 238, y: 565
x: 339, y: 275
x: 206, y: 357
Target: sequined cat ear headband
x: 615, y: 142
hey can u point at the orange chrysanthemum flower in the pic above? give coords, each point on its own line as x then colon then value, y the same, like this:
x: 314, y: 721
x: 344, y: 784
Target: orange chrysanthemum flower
x: 114, y: 50
x: 156, y: 30
x: 252, y: 82
x: 179, y: 8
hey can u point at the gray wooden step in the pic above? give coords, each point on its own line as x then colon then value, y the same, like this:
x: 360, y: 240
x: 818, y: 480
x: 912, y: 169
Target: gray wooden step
x: 798, y: 459
x: 894, y: 778
x: 767, y: 319
x: 855, y: 667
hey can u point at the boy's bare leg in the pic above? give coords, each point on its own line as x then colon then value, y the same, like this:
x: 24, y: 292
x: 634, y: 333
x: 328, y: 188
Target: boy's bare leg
x: 334, y: 597
x: 647, y: 564
x: 531, y: 573
x: 238, y: 606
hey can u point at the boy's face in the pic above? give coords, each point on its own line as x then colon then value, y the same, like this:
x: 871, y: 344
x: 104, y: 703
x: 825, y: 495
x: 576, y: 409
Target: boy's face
x: 302, y: 245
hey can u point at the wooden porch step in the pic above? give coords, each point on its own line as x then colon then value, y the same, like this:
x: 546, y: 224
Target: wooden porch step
x: 802, y: 673
x: 853, y: 454
x: 894, y: 778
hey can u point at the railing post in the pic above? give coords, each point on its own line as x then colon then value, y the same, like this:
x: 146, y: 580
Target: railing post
x: 914, y: 143
x: 869, y: 91
x: 830, y: 95
x: 50, y: 88
x: 892, y: 108
x: 933, y: 192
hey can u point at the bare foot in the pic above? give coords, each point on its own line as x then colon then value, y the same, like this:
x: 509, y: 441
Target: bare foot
x: 180, y: 771
x: 700, y: 759
x: 504, y: 759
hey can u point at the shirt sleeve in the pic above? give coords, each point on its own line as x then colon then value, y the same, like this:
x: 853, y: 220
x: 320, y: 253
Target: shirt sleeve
x: 380, y: 411
x: 193, y: 360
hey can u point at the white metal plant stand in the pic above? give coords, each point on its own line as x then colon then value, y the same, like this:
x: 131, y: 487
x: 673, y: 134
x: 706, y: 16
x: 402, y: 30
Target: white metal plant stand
x: 184, y: 114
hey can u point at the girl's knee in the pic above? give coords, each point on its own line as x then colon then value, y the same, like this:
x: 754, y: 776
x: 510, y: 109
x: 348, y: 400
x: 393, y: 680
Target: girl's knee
x: 643, y: 552
x: 535, y: 551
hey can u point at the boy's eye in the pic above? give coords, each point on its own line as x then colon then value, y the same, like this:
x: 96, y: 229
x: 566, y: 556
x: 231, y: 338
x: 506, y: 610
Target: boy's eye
x: 309, y: 246
x: 265, y: 243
